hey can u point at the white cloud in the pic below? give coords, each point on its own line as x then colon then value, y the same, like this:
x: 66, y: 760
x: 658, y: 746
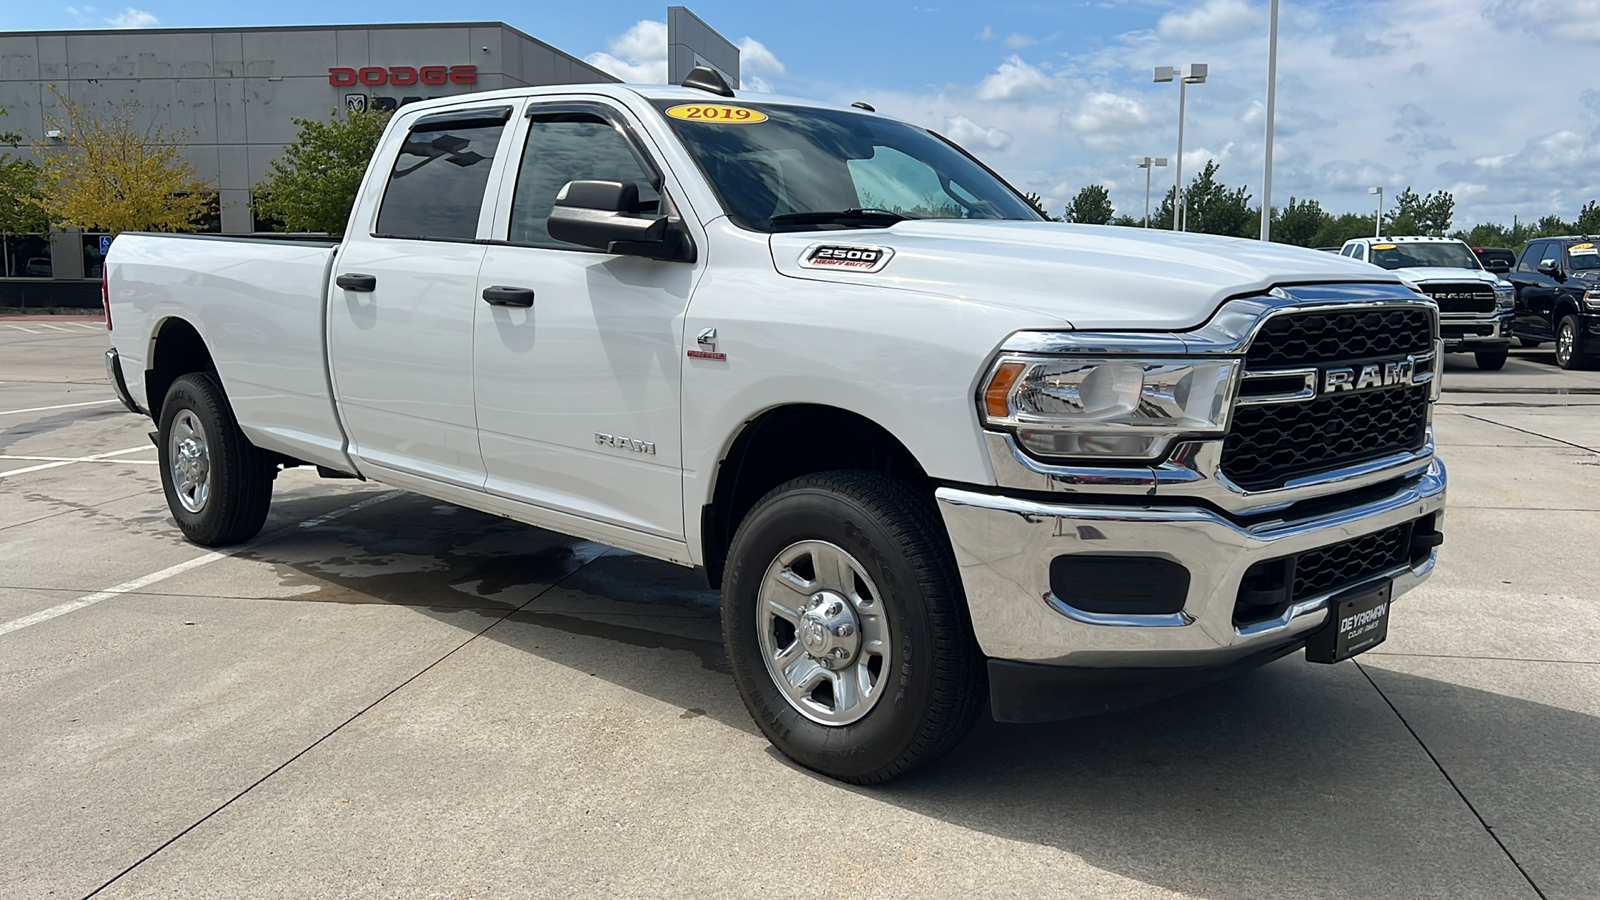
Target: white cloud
x: 986, y: 34
x: 756, y: 59
x: 964, y: 131
x: 1105, y: 111
x: 133, y: 18
x: 1017, y: 41
x: 639, y: 56
x: 1012, y: 79
x: 1215, y: 19
x: 128, y: 18
x: 1571, y: 20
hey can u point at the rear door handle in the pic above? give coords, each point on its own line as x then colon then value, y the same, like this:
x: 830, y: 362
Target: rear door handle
x: 500, y: 295
x: 354, y: 282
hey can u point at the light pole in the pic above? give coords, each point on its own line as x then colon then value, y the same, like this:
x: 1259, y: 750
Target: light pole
x: 1148, y: 165
x: 1193, y: 73
x: 1377, y: 223
x: 1272, y: 93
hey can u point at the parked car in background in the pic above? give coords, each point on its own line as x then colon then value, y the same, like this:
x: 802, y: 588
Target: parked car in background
x: 1557, y: 284
x: 1474, y: 304
x: 1498, y: 260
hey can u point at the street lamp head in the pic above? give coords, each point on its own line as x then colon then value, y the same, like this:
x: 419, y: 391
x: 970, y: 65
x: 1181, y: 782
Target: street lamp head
x: 1145, y: 162
x: 1161, y: 161
x: 1195, y: 73
x: 1165, y: 74
x: 1375, y: 190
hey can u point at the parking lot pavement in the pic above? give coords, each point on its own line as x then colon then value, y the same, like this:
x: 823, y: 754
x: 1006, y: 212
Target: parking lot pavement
x: 385, y: 696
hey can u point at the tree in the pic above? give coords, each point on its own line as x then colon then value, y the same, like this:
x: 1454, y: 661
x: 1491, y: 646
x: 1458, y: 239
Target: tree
x: 1428, y: 215
x: 1092, y: 206
x: 1125, y: 220
x: 1037, y: 202
x: 313, y: 187
x: 1342, y: 228
x: 1299, y: 223
x: 19, y: 191
x: 1589, y: 219
x: 1213, y: 208
x: 107, y: 174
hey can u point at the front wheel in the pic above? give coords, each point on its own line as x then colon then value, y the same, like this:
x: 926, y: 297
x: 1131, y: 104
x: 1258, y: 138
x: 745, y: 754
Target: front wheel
x: 1569, y: 347
x: 847, y: 629
x: 1491, y: 360
x: 218, y: 484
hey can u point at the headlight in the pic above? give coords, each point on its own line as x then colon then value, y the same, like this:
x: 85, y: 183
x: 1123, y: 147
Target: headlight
x: 1591, y: 298
x: 1107, y: 408
x: 1505, y: 294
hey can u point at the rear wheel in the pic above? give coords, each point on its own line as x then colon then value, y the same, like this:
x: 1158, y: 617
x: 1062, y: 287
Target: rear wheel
x: 847, y: 629
x: 218, y: 484
x: 1569, y: 346
x: 1491, y: 360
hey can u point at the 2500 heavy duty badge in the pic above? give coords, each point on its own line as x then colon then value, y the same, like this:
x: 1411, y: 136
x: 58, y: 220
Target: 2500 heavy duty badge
x: 857, y: 258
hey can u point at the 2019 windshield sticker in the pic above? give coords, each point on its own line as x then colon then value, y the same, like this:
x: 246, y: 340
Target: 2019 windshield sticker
x: 716, y: 114
x: 845, y: 256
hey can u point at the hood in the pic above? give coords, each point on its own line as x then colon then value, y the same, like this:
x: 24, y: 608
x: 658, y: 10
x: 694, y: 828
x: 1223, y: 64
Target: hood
x: 1088, y: 277
x: 1424, y: 274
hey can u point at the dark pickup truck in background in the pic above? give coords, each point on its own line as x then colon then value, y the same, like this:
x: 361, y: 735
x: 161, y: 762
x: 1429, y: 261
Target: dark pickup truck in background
x: 1558, y: 298
x: 1498, y: 260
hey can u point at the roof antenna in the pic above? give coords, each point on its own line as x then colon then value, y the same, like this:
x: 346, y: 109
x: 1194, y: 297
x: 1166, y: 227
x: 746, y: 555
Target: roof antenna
x: 707, y: 79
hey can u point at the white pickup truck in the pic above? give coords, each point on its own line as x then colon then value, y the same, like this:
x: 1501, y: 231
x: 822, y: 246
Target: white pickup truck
x: 936, y: 451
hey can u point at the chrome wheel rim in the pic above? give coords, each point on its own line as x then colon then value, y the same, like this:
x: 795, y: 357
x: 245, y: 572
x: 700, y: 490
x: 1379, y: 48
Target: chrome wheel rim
x: 189, y: 461
x: 1565, y: 340
x: 824, y: 633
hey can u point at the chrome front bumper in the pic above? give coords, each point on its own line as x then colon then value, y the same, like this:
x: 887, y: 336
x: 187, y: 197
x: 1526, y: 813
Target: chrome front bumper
x: 1004, y: 545
x: 1493, y: 329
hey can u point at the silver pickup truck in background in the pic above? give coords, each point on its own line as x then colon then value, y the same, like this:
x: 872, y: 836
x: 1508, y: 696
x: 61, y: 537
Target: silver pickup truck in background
x: 936, y: 452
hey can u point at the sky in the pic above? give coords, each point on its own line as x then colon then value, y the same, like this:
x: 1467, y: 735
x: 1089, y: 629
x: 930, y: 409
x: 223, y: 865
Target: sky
x: 1484, y: 98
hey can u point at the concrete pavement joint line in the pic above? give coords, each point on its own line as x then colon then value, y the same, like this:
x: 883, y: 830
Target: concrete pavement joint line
x: 1451, y: 781
x: 17, y: 412
x: 336, y: 729
x: 127, y: 587
x: 1569, y: 662
x: 55, y: 465
x: 1531, y: 433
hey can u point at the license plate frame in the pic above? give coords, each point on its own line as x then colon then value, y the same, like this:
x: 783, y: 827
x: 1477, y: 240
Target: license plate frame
x: 1357, y: 621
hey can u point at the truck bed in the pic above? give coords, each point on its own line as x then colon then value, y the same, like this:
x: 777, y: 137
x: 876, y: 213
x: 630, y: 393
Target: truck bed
x: 259, y: 303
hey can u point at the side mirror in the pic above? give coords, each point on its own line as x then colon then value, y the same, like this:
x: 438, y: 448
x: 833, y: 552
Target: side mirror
x: 604, y: 215
x: 1549, y: 267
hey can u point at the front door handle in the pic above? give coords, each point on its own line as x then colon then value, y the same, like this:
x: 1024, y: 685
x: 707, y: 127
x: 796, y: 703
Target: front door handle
x: 500, y: 295
x: 354, y: 282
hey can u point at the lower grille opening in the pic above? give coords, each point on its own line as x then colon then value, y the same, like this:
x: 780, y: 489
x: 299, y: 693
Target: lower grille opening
x: 1125, y: 585
x: 1269, y: 588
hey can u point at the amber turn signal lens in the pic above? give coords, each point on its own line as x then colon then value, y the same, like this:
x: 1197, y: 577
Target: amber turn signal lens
x: 995, y: 396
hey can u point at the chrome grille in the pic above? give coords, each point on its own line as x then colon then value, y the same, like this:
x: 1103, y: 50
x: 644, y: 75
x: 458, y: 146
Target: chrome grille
x: 1270, y: 444
x: 1464, y: 297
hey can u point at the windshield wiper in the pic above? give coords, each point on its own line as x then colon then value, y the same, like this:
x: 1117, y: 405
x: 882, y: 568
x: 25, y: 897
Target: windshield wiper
x: 863, y: 215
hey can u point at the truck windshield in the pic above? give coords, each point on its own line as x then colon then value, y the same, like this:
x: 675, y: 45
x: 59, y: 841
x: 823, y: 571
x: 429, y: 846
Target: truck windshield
x: 796, y: 168
x: 1417, y: 254
x: 1583, y: 256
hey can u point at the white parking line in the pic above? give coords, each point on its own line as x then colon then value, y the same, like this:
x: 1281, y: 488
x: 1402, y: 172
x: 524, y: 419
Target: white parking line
x: 73, y: 459
x: 88, y: 326
x: 18, y: 412
x: 128, y: 587
x: 49, y: 326
x: 20, y: 328
x: 68, y: 462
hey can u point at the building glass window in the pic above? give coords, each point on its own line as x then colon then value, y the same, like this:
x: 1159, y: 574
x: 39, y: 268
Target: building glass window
x: 27, y: 256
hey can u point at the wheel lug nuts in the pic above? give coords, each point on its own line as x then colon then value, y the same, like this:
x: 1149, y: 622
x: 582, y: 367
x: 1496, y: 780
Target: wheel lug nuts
x: 845, y: 630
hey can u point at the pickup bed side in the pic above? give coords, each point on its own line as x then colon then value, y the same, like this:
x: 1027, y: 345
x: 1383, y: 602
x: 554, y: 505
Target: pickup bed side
x: 254, y: 309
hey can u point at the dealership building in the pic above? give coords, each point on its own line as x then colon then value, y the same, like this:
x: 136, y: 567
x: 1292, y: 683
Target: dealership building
x: 235, y: 92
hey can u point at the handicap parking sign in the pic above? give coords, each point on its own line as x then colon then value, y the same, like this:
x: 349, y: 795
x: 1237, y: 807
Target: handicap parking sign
x: 105, y: 244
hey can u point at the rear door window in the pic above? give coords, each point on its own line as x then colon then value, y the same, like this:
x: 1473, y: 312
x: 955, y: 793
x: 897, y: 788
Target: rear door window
x: 436, y: 188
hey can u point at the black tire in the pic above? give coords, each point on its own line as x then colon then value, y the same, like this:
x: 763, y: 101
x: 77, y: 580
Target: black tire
x: 1491, y: 360
x: 897, y: 538
x: 1570, y: 352
x: 1530, y: 343
x: 238, y: 476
